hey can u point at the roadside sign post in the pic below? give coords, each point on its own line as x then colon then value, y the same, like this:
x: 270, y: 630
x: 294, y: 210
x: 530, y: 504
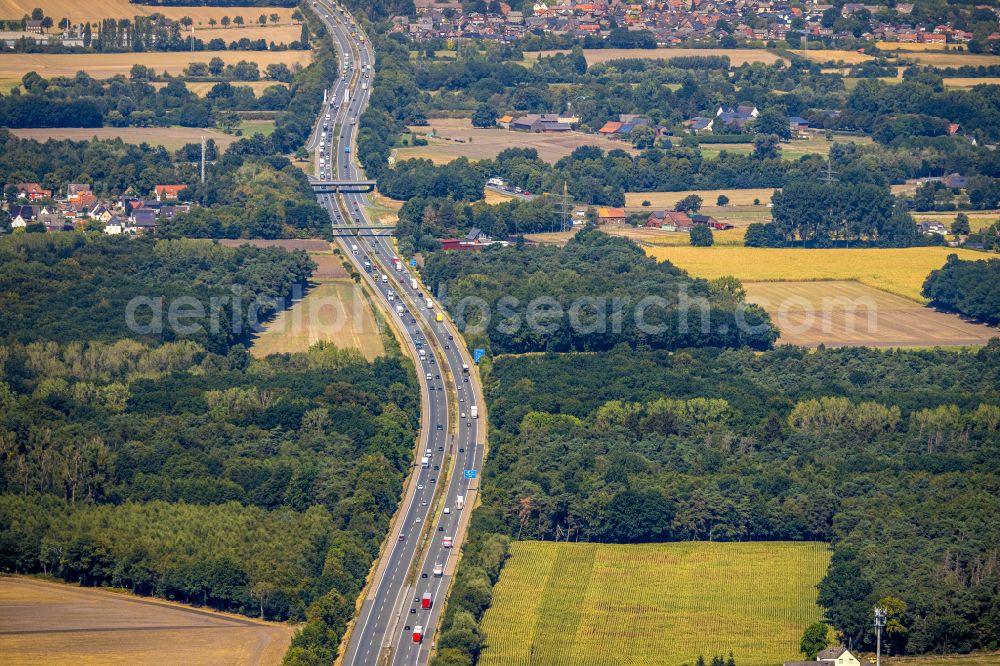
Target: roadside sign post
x: 478, y: 354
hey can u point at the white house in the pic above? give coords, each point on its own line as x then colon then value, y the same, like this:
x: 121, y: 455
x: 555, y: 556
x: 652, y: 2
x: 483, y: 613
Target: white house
x: 832, y: 656
x: 838, y: 656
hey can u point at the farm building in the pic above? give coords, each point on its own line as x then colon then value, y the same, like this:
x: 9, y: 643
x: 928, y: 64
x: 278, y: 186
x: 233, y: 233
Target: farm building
x: 609, y: 215
x: 832, y: 656
x: 669, y: 220
x: 540, y: 122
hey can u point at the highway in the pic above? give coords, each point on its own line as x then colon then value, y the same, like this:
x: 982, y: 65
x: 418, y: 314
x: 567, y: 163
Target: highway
x: 429, y: 515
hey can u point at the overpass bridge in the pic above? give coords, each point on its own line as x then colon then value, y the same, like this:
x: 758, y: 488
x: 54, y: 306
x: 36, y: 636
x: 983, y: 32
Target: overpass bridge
x: 380, y: 230
x: 343, y: 186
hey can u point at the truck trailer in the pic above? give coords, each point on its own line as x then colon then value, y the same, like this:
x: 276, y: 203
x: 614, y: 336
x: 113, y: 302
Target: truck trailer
x: 418, y: 634
x: 425, y: 601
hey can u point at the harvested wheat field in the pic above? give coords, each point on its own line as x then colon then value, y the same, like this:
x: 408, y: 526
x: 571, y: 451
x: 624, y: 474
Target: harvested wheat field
x: 847, y: 313
x: 642, y: 236
x: 171, y: 138
x: 952, y: 59
x: 279, y: 34
x: 106, y: 65
x: 736, y: 57
x: 970, y: 82
x: 56, y: 623
x: 662, y: 200
x: 834, y: 55
x: 456, y: 137
x: 333, y: 309
x: 201, y: 88
x: 900, y: 271
x: 78, y: 11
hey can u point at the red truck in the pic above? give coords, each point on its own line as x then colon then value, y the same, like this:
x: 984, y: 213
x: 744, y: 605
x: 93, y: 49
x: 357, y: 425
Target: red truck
x: 425, y: 601
x: 418, y: 634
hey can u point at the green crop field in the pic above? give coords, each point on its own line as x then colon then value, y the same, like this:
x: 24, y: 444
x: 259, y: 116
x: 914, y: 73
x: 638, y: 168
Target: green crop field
x: 575, y: 603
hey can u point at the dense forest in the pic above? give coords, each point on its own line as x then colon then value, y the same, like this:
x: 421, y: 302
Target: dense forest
x: 852, y: 446
x: 166, y: 460
x: 78, y: 288
x: 594, y: 293
x: 970, y: 288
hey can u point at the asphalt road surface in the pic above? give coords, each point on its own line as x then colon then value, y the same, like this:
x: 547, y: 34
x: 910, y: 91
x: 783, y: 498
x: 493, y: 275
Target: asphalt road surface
x: 451, y: 439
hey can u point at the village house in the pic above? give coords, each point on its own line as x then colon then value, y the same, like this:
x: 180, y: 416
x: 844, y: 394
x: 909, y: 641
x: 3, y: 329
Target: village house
x: 699, y: 125
x: 168, y: 192
x: 33, y: 191
x: 21, y: 215
x: 832, y: 656
x: 737, y: 117
x: 954, y: 181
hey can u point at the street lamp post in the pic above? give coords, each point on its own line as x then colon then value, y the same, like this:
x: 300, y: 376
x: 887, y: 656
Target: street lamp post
x: 880, y: 618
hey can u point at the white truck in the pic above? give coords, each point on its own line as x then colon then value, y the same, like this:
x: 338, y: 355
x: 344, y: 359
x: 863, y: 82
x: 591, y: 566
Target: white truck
x: 496, y: 182
x: 474, y: 411
x: 413, y: 283
x: 425, y: 462
x: 354, y: 248
x: 439, y: 570
x: 423, y: 354
x: 460, y: 502
x: 430, y: 304
x: 446, y: 542
x: 385, y: 278
x: 399, y: 309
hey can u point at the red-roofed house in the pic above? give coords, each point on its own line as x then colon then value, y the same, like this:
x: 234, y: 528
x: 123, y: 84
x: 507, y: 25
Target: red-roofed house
x: 165, y: 192
x: 33, y: 191
x: 669, y: 220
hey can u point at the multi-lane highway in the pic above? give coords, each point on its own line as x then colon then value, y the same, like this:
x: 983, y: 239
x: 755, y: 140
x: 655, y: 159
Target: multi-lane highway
x: 419, y: 555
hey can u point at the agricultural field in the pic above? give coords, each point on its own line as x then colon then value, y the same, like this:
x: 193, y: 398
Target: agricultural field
x: 456, y: 137
x: 575, y: 603
x: 792, y: 150
x: 900, y: 271
x: 334, y: 309
x: 846, y: 313
x: 95, y: 10
x: 737, y: 57
x: 833, y: 55
x: 251, y: 127
x: 56, y: 624
x: 643, y: 236
x: 952, y: 59
x: 667, y: 200
x: 201, y: 88
x: 279, y: 34
x: 106, y: 65
x: 970, y: 82
x: 382, y: 209
x: 171, y: 138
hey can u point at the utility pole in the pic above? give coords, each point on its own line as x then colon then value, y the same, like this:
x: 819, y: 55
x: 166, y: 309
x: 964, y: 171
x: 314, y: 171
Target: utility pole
x: 829, y: 178
x: 880, y: 617
x: 203, y: 160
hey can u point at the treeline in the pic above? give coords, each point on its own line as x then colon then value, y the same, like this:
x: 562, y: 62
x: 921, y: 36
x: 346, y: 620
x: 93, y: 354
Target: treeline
x: 46, y: 272
x: 970, y: 288
x: 82, y: 101
x: 423, y: 221
x: 875, y: 102
x: 851, y: 446
x: 591, y: 295
x: 146, y: 33
x: 818, y: 214
x: 251, y: 195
